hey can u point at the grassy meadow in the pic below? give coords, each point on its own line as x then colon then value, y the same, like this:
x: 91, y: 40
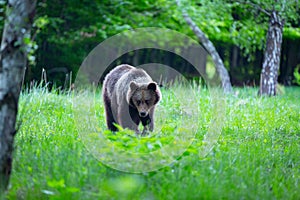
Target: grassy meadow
x: 63, y: 150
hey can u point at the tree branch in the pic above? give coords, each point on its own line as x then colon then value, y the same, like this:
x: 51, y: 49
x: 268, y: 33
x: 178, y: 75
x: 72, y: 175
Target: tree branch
x: 256, y: 6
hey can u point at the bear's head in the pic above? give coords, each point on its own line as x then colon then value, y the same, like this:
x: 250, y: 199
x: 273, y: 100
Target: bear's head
x: 143, y: 96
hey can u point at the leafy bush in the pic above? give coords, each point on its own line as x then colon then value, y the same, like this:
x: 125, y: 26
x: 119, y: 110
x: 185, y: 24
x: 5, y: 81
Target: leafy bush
x: 297, y: 75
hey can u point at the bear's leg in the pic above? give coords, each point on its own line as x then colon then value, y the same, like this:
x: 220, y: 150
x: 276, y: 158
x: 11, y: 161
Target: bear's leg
x: 134, y: 114
x: 125, y: 119
x: 151, y: 116
x: 146, y: 121
x: 109, y: 115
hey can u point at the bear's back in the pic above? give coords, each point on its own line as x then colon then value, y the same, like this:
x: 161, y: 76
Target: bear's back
x: 113, y: 76
x: 135, y: 74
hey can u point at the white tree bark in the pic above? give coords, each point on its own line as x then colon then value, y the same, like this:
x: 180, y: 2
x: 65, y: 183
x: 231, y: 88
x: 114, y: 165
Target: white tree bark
x: 210, y: 48
x: 271, y: 63
x: 17, y: 26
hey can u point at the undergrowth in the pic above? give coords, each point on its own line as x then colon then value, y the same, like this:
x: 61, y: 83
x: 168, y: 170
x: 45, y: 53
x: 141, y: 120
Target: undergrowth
x: 59, y: 152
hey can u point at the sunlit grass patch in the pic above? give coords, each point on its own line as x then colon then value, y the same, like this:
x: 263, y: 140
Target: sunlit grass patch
x: 255, y: 157
x: 176, y: 124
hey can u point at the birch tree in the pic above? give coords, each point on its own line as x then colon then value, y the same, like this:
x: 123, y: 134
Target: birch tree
x: 19, y: 19
x: 271, y: 63
x: 278, y: 14
x: 210, y: 48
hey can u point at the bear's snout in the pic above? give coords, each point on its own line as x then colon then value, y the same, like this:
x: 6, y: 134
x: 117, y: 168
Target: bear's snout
x: 143, y: 114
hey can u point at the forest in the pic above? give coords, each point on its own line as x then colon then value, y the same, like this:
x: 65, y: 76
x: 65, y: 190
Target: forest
x: 64, y: 32
x: 227, y: 121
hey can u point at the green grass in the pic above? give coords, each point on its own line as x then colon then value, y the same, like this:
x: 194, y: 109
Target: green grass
x: 256, y: 156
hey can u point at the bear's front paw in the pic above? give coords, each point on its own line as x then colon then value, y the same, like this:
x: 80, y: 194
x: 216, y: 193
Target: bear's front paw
x: 145, y: 132
x: 137, y: 132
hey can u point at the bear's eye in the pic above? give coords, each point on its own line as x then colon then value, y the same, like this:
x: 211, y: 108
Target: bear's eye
x: 147, y: 102
x: 138, y: 102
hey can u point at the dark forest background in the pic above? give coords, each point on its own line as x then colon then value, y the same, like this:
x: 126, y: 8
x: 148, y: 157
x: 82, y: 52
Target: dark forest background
x: 65, y: 32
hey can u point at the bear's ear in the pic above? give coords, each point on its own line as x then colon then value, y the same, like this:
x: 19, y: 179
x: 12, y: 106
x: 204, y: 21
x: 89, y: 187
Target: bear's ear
x: 133, y: 85
x: 152, y: 86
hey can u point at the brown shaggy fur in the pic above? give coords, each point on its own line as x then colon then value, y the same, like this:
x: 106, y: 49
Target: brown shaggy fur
x: 130, y: 97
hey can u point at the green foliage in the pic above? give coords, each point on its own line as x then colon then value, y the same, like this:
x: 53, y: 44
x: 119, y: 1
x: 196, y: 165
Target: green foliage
x: 66, y: 31
x: 71, y: 29
x: 223, y: 21
x: 255, y: 18
x: 242, y: 23
x: 256, y: 157
x: 291, y: 33
x: 287, y: 9
x: 31, y: 48
x: 2, y: 14
x: 297, y: 75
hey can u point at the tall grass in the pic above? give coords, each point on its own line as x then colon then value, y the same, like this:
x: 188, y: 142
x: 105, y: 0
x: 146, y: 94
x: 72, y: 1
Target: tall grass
x: 256, y: 156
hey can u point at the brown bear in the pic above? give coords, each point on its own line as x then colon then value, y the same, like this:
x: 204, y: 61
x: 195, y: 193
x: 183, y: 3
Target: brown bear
x: 130, y: 96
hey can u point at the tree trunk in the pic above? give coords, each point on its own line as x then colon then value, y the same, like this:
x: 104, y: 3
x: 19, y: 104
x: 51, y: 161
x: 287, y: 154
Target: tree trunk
x: 12, y: 64
x: 210, y: 48
x: 269, y: 73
